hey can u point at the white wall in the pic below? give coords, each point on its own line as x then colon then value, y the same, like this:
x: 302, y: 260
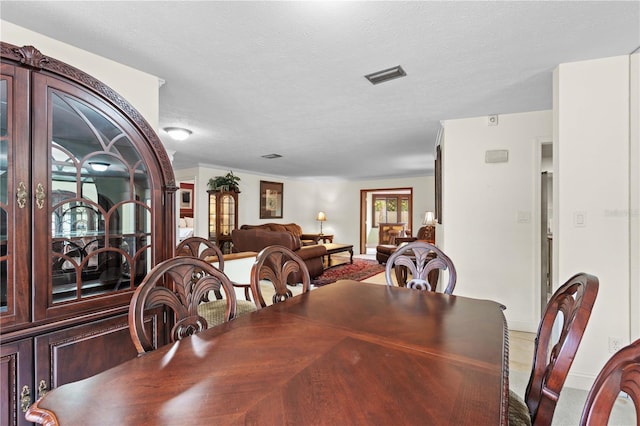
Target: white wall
x: 304, y: 198
x: 489, y: 215
x: 591, y: 177
x: 140, y: 89
x: 634, y: 199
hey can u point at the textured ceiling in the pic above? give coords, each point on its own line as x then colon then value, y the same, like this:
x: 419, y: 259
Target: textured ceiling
x: 255, y: 78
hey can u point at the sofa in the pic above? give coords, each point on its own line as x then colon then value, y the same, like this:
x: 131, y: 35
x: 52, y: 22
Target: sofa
x: 256, y: 238
x: 294, y: 228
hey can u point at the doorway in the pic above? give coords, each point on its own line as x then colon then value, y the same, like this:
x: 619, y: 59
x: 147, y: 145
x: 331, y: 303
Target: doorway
x: 383, y: 205
x: 546, y: 223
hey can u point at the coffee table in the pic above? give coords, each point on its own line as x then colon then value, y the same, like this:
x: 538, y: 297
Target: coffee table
x: 337, y: 248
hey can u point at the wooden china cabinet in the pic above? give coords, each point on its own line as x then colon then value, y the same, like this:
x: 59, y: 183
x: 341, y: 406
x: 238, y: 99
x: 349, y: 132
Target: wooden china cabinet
x: 86, y: 209
x: 223, y: 218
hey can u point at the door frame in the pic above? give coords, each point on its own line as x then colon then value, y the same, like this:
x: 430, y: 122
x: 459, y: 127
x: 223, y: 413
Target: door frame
x: 363, y: 211
x: 537, y: 225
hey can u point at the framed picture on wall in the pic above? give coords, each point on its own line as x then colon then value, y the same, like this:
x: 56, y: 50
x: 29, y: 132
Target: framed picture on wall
x: 186, y: 199
x: 271, y: 200
x: 438, y: 175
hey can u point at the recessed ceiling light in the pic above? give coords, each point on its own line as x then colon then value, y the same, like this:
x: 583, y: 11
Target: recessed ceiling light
x: 272, y: 156
x: 178, y: 133
x: 386, y: 75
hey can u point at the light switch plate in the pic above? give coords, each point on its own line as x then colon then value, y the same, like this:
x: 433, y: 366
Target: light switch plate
x: 524, y: 217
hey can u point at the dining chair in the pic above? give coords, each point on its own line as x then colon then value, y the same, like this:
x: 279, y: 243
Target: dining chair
x: 178, y: 284
x: 214, y: 311
x: 569, y: 308
x: 204, y: 249
x: 423, y: 261
x: 275, y: 264
x: 620, y: 374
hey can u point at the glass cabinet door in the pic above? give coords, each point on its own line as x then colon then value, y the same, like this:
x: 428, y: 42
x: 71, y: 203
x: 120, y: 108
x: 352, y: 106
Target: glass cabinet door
x: 93, y: 200
x: 15, y: 201
x: 228, y: 219
x: 223, y: 211
x: 213, y: 216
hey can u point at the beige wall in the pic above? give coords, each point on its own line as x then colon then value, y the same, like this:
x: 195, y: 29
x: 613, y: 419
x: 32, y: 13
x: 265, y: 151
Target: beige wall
x: 140, y: 89
x: 592, y: 168
x: 490, y: 218
x: 634, y: 196
x: 596, y: 164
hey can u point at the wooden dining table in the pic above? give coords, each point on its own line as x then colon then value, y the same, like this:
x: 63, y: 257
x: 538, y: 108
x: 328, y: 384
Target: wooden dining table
x: 345, y: 353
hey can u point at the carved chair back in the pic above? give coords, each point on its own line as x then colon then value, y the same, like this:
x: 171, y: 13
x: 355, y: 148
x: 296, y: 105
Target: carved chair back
x: 204, y: 249
x: 275, y: 264
x: 571, y: 304
x: 201, y: 248
x: 177, y: 285
x: 620, y: 374
x: 423, y: 261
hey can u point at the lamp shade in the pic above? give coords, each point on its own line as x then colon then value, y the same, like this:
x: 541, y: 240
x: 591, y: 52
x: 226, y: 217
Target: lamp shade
x: 321, y: 216
x: 429, y: 219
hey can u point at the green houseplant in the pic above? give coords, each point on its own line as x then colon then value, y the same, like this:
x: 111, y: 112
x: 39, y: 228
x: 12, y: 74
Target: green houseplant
x: 228, y: 182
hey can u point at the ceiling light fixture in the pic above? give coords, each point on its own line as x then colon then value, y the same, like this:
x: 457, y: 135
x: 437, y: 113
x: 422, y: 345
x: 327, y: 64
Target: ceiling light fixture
x: 99, y: 166
x: 386, y: 75
x: 178, y: 133
x: 271, y: 156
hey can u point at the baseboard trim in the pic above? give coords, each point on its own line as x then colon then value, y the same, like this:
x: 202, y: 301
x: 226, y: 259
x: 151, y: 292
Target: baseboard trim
x: 528, y: 327
x: 580, y: 381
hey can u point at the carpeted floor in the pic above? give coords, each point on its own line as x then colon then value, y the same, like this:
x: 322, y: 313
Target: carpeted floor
x: 361, y: 269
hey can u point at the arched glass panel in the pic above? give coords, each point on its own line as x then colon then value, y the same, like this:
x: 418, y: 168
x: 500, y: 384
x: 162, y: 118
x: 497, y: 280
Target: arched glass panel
x: 100, y: 203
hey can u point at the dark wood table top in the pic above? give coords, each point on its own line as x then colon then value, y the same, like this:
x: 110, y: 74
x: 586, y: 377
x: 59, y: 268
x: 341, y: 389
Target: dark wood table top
x: 345, y: 353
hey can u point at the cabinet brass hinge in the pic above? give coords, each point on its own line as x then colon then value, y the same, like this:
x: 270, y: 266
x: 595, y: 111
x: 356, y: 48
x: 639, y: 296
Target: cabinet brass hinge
x: 42, y: 388
x: 21, y: 195
x: 40, y: 196
x: 25, y: 398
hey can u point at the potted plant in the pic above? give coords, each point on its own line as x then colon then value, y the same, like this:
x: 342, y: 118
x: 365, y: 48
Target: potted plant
x: 228, y: 182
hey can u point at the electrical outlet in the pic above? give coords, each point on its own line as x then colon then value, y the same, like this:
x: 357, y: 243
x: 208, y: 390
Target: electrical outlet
x: 615, y: 344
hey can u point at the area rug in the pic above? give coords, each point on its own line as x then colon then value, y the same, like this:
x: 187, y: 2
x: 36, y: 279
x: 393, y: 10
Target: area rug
x: 361, y: 269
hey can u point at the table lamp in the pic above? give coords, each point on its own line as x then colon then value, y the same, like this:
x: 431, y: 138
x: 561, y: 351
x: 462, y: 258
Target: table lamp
x: 429, y: 224
x: 321, y: 218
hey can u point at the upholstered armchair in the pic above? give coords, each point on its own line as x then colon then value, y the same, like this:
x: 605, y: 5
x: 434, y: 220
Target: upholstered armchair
x: 384, y: 250
x: 388, y: 232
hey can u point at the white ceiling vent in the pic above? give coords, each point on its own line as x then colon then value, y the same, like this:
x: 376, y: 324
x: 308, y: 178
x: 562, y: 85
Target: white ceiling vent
x: 386, y: 75
x: 496, y: 156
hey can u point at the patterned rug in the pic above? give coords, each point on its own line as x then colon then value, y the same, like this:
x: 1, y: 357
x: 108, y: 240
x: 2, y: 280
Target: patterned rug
x: 361, y: 269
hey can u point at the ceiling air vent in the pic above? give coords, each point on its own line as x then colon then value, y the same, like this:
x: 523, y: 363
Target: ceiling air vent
x: 386, y: 75
x: 272, y: 156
